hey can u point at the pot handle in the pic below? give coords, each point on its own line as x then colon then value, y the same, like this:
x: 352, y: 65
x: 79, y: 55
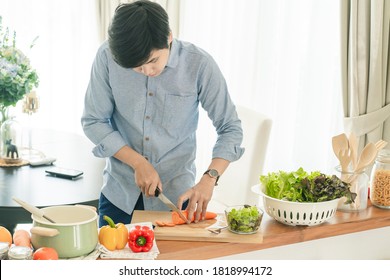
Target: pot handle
x: 43, y: 231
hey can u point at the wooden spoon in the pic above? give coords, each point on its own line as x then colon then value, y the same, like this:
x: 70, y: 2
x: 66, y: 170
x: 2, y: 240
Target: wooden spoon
x: 367, y: 157
x: 32, y: 209
x: 339, y: 143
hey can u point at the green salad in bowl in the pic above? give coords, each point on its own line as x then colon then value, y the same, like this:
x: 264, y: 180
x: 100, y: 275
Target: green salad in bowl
x: 303, y: 186
x: 243, y: 219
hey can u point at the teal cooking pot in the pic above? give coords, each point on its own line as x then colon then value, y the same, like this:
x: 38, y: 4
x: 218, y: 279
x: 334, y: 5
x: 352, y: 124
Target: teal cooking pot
x: 74, y: 233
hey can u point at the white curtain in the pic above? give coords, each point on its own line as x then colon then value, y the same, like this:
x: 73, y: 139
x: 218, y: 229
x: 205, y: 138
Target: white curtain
x: 281, y: 58
x: 106, y: 9
x: 366, y: 75
x: 62, y: 55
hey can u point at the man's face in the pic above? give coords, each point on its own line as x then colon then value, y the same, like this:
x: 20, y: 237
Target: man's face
x: 156, y: 63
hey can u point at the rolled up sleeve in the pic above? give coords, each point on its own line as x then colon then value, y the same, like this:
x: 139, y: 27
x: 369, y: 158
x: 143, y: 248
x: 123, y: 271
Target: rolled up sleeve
x: 98, y: 108
x: 228, y: 145
x: 109, y: 145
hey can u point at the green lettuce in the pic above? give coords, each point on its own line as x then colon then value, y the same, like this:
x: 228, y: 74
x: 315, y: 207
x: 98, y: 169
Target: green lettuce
x: 246, y: 219
x: 302, y: 186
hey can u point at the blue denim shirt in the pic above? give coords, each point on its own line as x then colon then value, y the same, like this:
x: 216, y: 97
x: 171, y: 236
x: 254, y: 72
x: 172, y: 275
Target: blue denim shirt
x: 158, y: 118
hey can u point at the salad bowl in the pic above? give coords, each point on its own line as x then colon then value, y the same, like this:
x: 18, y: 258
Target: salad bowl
x: 243, y: 219
x: 297, y: 213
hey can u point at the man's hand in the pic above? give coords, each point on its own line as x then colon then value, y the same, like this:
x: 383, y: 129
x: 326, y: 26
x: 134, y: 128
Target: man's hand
x: 147, y: 178
x: 199, y: 197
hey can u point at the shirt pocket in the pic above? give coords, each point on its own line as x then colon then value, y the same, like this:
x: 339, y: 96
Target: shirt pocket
x: 180, y: 112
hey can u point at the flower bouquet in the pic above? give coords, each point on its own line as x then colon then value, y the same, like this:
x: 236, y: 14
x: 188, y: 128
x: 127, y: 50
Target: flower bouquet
x: 17, y: 77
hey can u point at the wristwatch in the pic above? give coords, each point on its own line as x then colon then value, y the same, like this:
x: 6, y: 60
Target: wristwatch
x: 213, y: 174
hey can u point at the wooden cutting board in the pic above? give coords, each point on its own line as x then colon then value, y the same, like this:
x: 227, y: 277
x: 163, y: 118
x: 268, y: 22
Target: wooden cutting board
x: 193, y: 232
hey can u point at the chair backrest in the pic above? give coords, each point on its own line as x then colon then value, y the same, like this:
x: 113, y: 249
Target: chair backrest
x: 235, y: 184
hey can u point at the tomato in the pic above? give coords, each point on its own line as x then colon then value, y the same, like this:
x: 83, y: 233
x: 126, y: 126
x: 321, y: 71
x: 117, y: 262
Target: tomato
x: 45, y: 253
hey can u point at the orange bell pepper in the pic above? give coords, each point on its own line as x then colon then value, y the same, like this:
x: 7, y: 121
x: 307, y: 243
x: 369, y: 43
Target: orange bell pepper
x: 113, y: 236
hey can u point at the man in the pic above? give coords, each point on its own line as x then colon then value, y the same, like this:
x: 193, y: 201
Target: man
x: 141, y: 111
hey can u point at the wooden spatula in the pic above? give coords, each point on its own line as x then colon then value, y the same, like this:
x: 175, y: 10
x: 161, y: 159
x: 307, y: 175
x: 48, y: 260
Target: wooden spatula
x: 339, y: 143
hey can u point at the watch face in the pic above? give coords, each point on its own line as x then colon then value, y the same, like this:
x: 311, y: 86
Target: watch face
x: 213, y: 173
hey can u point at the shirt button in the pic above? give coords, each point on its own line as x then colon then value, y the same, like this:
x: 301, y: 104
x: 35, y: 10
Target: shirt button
x: 146, y: 158
x: 151, y: 94
x: 147, y: 138
x: 147, y: 117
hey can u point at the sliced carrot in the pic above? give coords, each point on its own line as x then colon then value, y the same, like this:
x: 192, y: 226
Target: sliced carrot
x: 169, y: 224
x: 159, y: 223
x: 22, y: 237
x: 179, y: 221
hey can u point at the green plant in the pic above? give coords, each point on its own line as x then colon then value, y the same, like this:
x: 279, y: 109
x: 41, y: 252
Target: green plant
x: 17, y: 77
x: 303, y: 186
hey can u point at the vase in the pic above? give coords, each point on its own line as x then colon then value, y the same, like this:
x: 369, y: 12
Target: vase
x: 11, y: 141
x: 4, y: 114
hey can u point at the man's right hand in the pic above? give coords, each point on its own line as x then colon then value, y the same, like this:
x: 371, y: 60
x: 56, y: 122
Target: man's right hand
x: 146, y: 177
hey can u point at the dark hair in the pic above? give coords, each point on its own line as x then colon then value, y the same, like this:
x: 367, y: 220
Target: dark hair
x: 136, y: 30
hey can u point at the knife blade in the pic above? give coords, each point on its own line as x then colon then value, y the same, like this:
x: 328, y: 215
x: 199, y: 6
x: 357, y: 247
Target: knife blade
x: 169, y: 203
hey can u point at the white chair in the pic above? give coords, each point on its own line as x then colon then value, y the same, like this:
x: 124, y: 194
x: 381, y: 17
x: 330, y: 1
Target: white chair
x: 235, y: 184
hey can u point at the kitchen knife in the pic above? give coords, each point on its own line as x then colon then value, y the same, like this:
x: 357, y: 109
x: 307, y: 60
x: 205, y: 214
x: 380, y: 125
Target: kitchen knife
x: 169, y: 203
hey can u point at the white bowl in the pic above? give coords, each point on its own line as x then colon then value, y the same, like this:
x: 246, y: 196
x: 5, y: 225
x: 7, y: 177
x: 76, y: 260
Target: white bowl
x: 297, y: 213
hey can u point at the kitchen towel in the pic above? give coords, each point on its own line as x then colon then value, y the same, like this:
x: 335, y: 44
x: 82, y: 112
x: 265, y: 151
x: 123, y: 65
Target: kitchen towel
x: 126, y: 252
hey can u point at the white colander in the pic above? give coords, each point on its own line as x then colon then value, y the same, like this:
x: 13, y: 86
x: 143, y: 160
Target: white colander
x: 297, y: 213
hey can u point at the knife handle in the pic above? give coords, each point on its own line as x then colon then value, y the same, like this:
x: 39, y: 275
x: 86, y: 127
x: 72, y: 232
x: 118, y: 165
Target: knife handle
x: 157, y: 192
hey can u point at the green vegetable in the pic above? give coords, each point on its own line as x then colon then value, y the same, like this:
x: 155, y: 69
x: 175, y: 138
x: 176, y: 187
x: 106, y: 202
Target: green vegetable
x: 301, y: 186
x: 246, y: 219
x: 324, y: 188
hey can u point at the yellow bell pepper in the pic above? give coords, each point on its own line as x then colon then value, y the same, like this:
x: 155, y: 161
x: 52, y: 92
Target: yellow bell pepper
x: 113, y: 236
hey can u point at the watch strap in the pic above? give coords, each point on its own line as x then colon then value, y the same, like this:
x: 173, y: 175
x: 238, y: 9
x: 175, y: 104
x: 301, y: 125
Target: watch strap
x: 216, y: 177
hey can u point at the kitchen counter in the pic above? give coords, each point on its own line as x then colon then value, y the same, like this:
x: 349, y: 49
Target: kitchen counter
x: 276, y: 234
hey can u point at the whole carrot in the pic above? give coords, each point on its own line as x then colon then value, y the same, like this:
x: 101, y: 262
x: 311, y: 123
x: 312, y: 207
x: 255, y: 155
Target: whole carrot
x: 22, y: 237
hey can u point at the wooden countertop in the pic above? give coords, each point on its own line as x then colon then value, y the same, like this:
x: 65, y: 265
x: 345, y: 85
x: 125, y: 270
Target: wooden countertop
x: 277, y: 234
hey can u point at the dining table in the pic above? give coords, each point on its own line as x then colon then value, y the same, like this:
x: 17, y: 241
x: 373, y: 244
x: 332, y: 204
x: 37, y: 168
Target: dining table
x: 33, y: 184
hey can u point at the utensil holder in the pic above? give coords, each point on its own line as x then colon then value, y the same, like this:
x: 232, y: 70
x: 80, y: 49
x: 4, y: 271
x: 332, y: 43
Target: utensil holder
x: 359, y: 182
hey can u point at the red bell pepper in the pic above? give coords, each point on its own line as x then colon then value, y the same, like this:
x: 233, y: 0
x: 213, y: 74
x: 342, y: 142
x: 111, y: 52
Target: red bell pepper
x: 141, y: 239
